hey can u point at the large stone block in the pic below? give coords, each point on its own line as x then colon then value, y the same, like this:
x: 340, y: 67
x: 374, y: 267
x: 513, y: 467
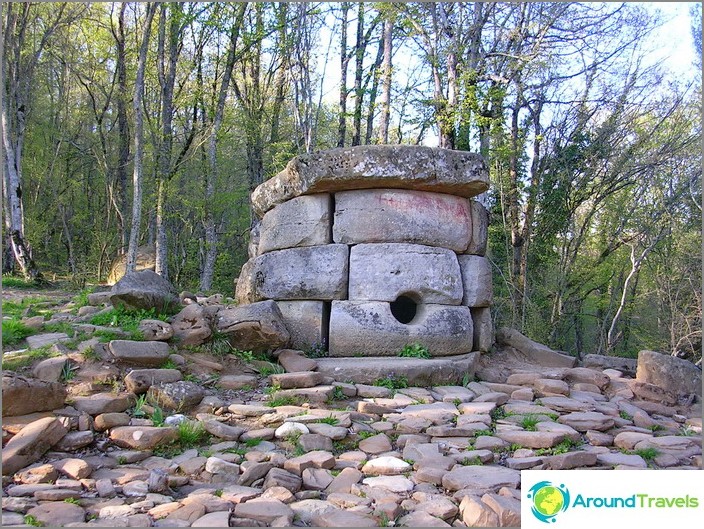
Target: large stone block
x: 254, y: 327
x: 302, y: 221
x: 23, y: 395
x: 479, y: 223
x: 306, y: 321
x: 476, y: 280
x: 393, y: 215
x: 31, y: 443
x: 672, y: 374
x: 383, y: 272
x: 483, y: 329
x: 312, y: 273
x: 371, y: 329
x: 374, y: 167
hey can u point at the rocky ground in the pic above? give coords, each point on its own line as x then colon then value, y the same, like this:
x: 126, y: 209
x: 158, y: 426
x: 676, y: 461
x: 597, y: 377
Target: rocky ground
x: 146, y: 433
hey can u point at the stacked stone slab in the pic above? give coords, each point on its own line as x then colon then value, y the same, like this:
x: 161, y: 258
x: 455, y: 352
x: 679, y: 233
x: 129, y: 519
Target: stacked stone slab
x: 368, y: 249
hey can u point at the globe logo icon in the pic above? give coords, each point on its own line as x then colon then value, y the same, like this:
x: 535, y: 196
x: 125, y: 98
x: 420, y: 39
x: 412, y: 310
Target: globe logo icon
x: 548, y: 500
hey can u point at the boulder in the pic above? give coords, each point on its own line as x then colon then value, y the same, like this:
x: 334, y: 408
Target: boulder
x: 178, y: 396
x: 57, y: 513
x: 139, y: 381
x: 383, y: 272
x: 33, y: 441
x: 155, y: 330
x: 310, y: 273
x: 375, y: 166
x: 22, y: 395
x: 144, y: 290
x: 254, y: 327
x: 50, y: 370
x: 540, y: 354
x: 479, y: 221
x: 142, y: 437
x: 191, y: 326
x: 146, y: 260
x: 301, y: 221
x: 400, y: 216
x: 371, y: 328
x: 306, y: 321
x: 139, y: 354
x: 670, y: 373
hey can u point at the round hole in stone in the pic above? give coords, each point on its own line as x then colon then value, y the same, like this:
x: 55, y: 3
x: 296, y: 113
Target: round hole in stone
x: 404, y: 308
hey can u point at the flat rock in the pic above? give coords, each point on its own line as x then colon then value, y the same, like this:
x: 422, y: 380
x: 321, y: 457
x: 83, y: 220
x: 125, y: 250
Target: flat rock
x: 616, y: 458
x: 50, y: 369
x: 223, y: 431
x: 180, y: 396
x: 301, y: 379
x: 139, y: 354
x: 23, y: 395
x: 57, y: 513
x: 341, y: 518
x: 482, y: 478
x: 139, y: 381
x: 263, y: 510
x: 588, y: 420
x: 572, y: 460
x: 254, y: 327
x: 391, y: 483
x: 142, y: 437
x: 237, y: 381
x: 31, y: 443
x: 385, y: 466
x: 538, y: 353
x: 192, y: 326
x: 378, y: 166
x: 155, y: 330
x: 477, y: 514
x: 100, y: 403
x: 42, y: 340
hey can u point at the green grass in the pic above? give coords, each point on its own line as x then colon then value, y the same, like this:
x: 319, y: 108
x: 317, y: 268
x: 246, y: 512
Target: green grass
x: 138, y: 409
x: 479, y: 433
x: 414, y: 350
x: 169, y: 364
x: 656, y: 428
x: 157, y: 416
x: 337, y: 394
x: 648, y: 454
x: 282, y: 400
x: 269, y: 368
x: 28, y: 518
x: 17, y: 282
x: 68, y: 372
x: 14, y: 331
x: 561, y: 448
x: 191, y: 433
x: 251, y: 443
x: 71, y: 500
x: 625, y: 415
x: 15, y: 362
x: 104, y: 336
x: 81, y: 299
x: 28, y: 306
x: 332, y: 421
x: 392, y: 382
x: 471, y: 461
x: 128, y: 320
x: 365, y: 434
x: 529, y: 422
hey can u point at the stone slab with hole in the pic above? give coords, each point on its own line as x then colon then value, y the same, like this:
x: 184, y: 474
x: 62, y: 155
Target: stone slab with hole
x: 369, y: 328
x: 385, y: 272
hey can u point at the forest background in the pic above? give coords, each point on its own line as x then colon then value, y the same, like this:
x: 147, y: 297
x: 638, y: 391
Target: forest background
x: 150, y: 123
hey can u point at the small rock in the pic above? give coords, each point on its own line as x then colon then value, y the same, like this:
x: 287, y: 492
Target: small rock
x: 223, y: 431
x: 155, y: 330
x: 140, y: 354
x: 385, y: 466
x: 73, y: 441
x: 73, y: 468
x: 31, y: 443
x: 294, y: 361
x: 181, y: 396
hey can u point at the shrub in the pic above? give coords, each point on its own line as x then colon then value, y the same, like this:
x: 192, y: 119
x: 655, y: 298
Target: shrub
x: 14, y: 331
x: 415, y: 350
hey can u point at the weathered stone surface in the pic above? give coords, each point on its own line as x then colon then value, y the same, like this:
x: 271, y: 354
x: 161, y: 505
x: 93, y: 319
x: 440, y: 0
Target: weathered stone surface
x: 302, y: 379
x: 480, y: 229
x: 144, y: 290
x: 104, y: 403
x: 627, y: 366
x: 73, y: 468
x: 379, y: 166
x: 483, y: 329
x: 531, y: 439
x: 316, y: 459
x: 22, y: 395
x: 302, y: 221
x: 140, y: 354
x: 295, y: 361
x: 41, y: 340
x: 146, y: 260
x: 37, y: 474
x: 31, y: 443
x: 105, y: 421
x: 385, y: 466
x: 617, y: 458
x: 392, y: 215
x: 371, y: 328
x: 476, y: 280
x: 191, y: 326
x: 255, y: 327
x: 571, y: 460
x: 482, y: 478
x: 675, y: 445
x: 155, y: 330
x: 418, y: 371
x: 311, y: 273
x: 263, y: 510
x: 342, y: 518
x: 651, y: 392
x: 57, y: 513
x: 223, y: 431
x: 213, y: 519
x: 547, y: 387
x: 476, y: 514
x: 73, y: 441
x: 587, y: 420
x: 507, y: 508
x: 587, y: 376
x: 176, y: 396
x: 670, y: 373
x: 277, y: 477
x: 142, y: 437
x: 50, y: 369
x: 237, y: 381
x: 539, y: 353
x: 390, y: 483
x: 383, y: 272
x: 306, y: 321
x: 139, y: 381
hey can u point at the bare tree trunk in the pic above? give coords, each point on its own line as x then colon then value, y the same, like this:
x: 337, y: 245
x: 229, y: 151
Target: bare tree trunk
x: 359, y: 48
x: 344, y: 61
x: 385, y: 102
x: 138, y: 142
x: 211, y: 172
x: 123, y: 128
x: 373, y: 93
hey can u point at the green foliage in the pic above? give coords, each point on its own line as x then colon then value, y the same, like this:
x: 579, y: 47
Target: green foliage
x: 104, y: 336
x: 191, y: 433
x: 245, y: 356
x: 81, y: 299
x: 68, y: 372
x: 365, y: 434
x: 625, y: 415
x: 128, y: 320
x: 317, y: 350
x: 528, y: 423
x: 648, y: 454
x: 561, y: 448
x: 157, y: 416
x: 15, y: 362
x: 474, y: 461
x: 414, y: 350
x: 392, y: 382
x: 138, y: 408
x: 332, y: 421
x: 479, y: 433
x: 32, y: 520
x: 338, y: 394
x: 283, y: 400
x: 59, y: 326
x: 9, y: 281
x: 27, y: 306
x: 14, y: 331
x: 269, y: 368
x: 74, y: 501
x: 251, y: 443
x: 169, y: 364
